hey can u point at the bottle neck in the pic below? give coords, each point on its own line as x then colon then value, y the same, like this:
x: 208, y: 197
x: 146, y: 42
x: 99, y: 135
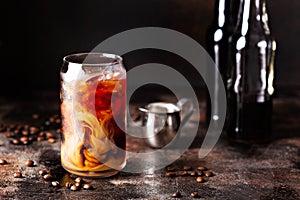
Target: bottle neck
x: 265, y: 17
x: 251, y: 16
x: 225, y: 13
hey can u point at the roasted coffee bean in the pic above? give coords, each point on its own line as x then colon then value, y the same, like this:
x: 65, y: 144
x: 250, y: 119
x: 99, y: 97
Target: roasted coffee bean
x: 17, y: 175
x: 16, y: 141
x: 49, y: 135
x: 16, y: 131
x: 9, y: 135
x: 47, y: 123
x: 40, y: 138
x: 200, y: 179
x: 193, y: 173
x: 42, y: 134
x: 52, y: 119
x: 87, y: 186
x: 25, y: 142
x: 42, y: 172
x: 182, y: 173
x: 58, y: 131
x: 195, y: 194
x: 78, y: 180
x: 208, y: 174
x: 51, y: 140
x: 47, y: 177
x: 55, y: 183
x: 24, y: 138
x: 176, y: 194
x: 26, y: 127
x: 25, y: 132
x: 171, y: 169
x: 29, y: 163
x: 200, y: 173
x: 202, y: 168
x: 3, y: 162
x: 58, y: 121
x: 170, y: 174
x: 68, y: 184
x: 35, y: 116
x: 77, y: 184
x: 187, y: 168
x: 74, y: 188
x: 33, y: 130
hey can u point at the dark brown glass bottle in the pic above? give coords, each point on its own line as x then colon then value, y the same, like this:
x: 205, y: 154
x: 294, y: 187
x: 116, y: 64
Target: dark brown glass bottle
x: 218, y: 37
x: 249, y: 98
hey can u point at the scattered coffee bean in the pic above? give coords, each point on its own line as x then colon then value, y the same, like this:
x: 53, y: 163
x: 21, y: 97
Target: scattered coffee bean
x: 87, y: 186
x: 58, y: 121
x: 3, y: 162
x: 68, y: 184
x: 58, y: 131
x: 187, y: 168
x: 193, y: 173
x: 49, y: 135
x: 77, y: 184
x: 35, y: 116
x: 208, y: 174
x: 195, y: 194
x: 17, y: 175
x: 16, y: 141
x: 171, y: 169
x: 51, y: 140
x: 170, y: 174
x: 25, y: 142
x: 40, y: 138
x: 33, y: 130
x: 74, y: 188
x: 23, y: 139
x: 182, y: 173
x: 200, y: 173
x: 25, y: 132
x: 42, y: 172
x: 200, y: 179
x: 52, y: 119
x: 78, y: 180
x: 26, y: 127
x: 176, y: 194
x: 47, y: 123
x: 29, y: 163
x: 55, y: 183
x: 202, y: 168
x: 9, y: 135
x: 47, y: 177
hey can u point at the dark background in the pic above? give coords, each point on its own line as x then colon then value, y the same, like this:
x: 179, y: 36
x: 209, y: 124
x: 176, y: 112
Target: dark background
x: 36, y: 35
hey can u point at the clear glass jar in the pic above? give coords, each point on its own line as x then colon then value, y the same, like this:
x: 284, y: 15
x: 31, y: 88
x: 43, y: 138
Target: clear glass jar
x: 93, y: 109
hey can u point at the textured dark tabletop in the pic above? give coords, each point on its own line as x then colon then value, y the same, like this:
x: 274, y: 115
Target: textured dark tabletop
x: 268, y: 171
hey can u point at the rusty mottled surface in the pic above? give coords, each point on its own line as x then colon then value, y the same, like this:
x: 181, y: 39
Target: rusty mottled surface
x: 269, y: 171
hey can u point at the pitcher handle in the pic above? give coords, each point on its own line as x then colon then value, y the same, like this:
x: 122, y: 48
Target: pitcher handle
x: 181, y: 103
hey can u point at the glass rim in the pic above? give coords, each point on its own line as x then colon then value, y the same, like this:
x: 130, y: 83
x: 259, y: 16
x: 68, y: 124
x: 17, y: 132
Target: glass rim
x: 83, y: 59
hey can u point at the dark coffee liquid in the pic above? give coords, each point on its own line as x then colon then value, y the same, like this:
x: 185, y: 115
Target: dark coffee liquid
x: 252, y: 122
